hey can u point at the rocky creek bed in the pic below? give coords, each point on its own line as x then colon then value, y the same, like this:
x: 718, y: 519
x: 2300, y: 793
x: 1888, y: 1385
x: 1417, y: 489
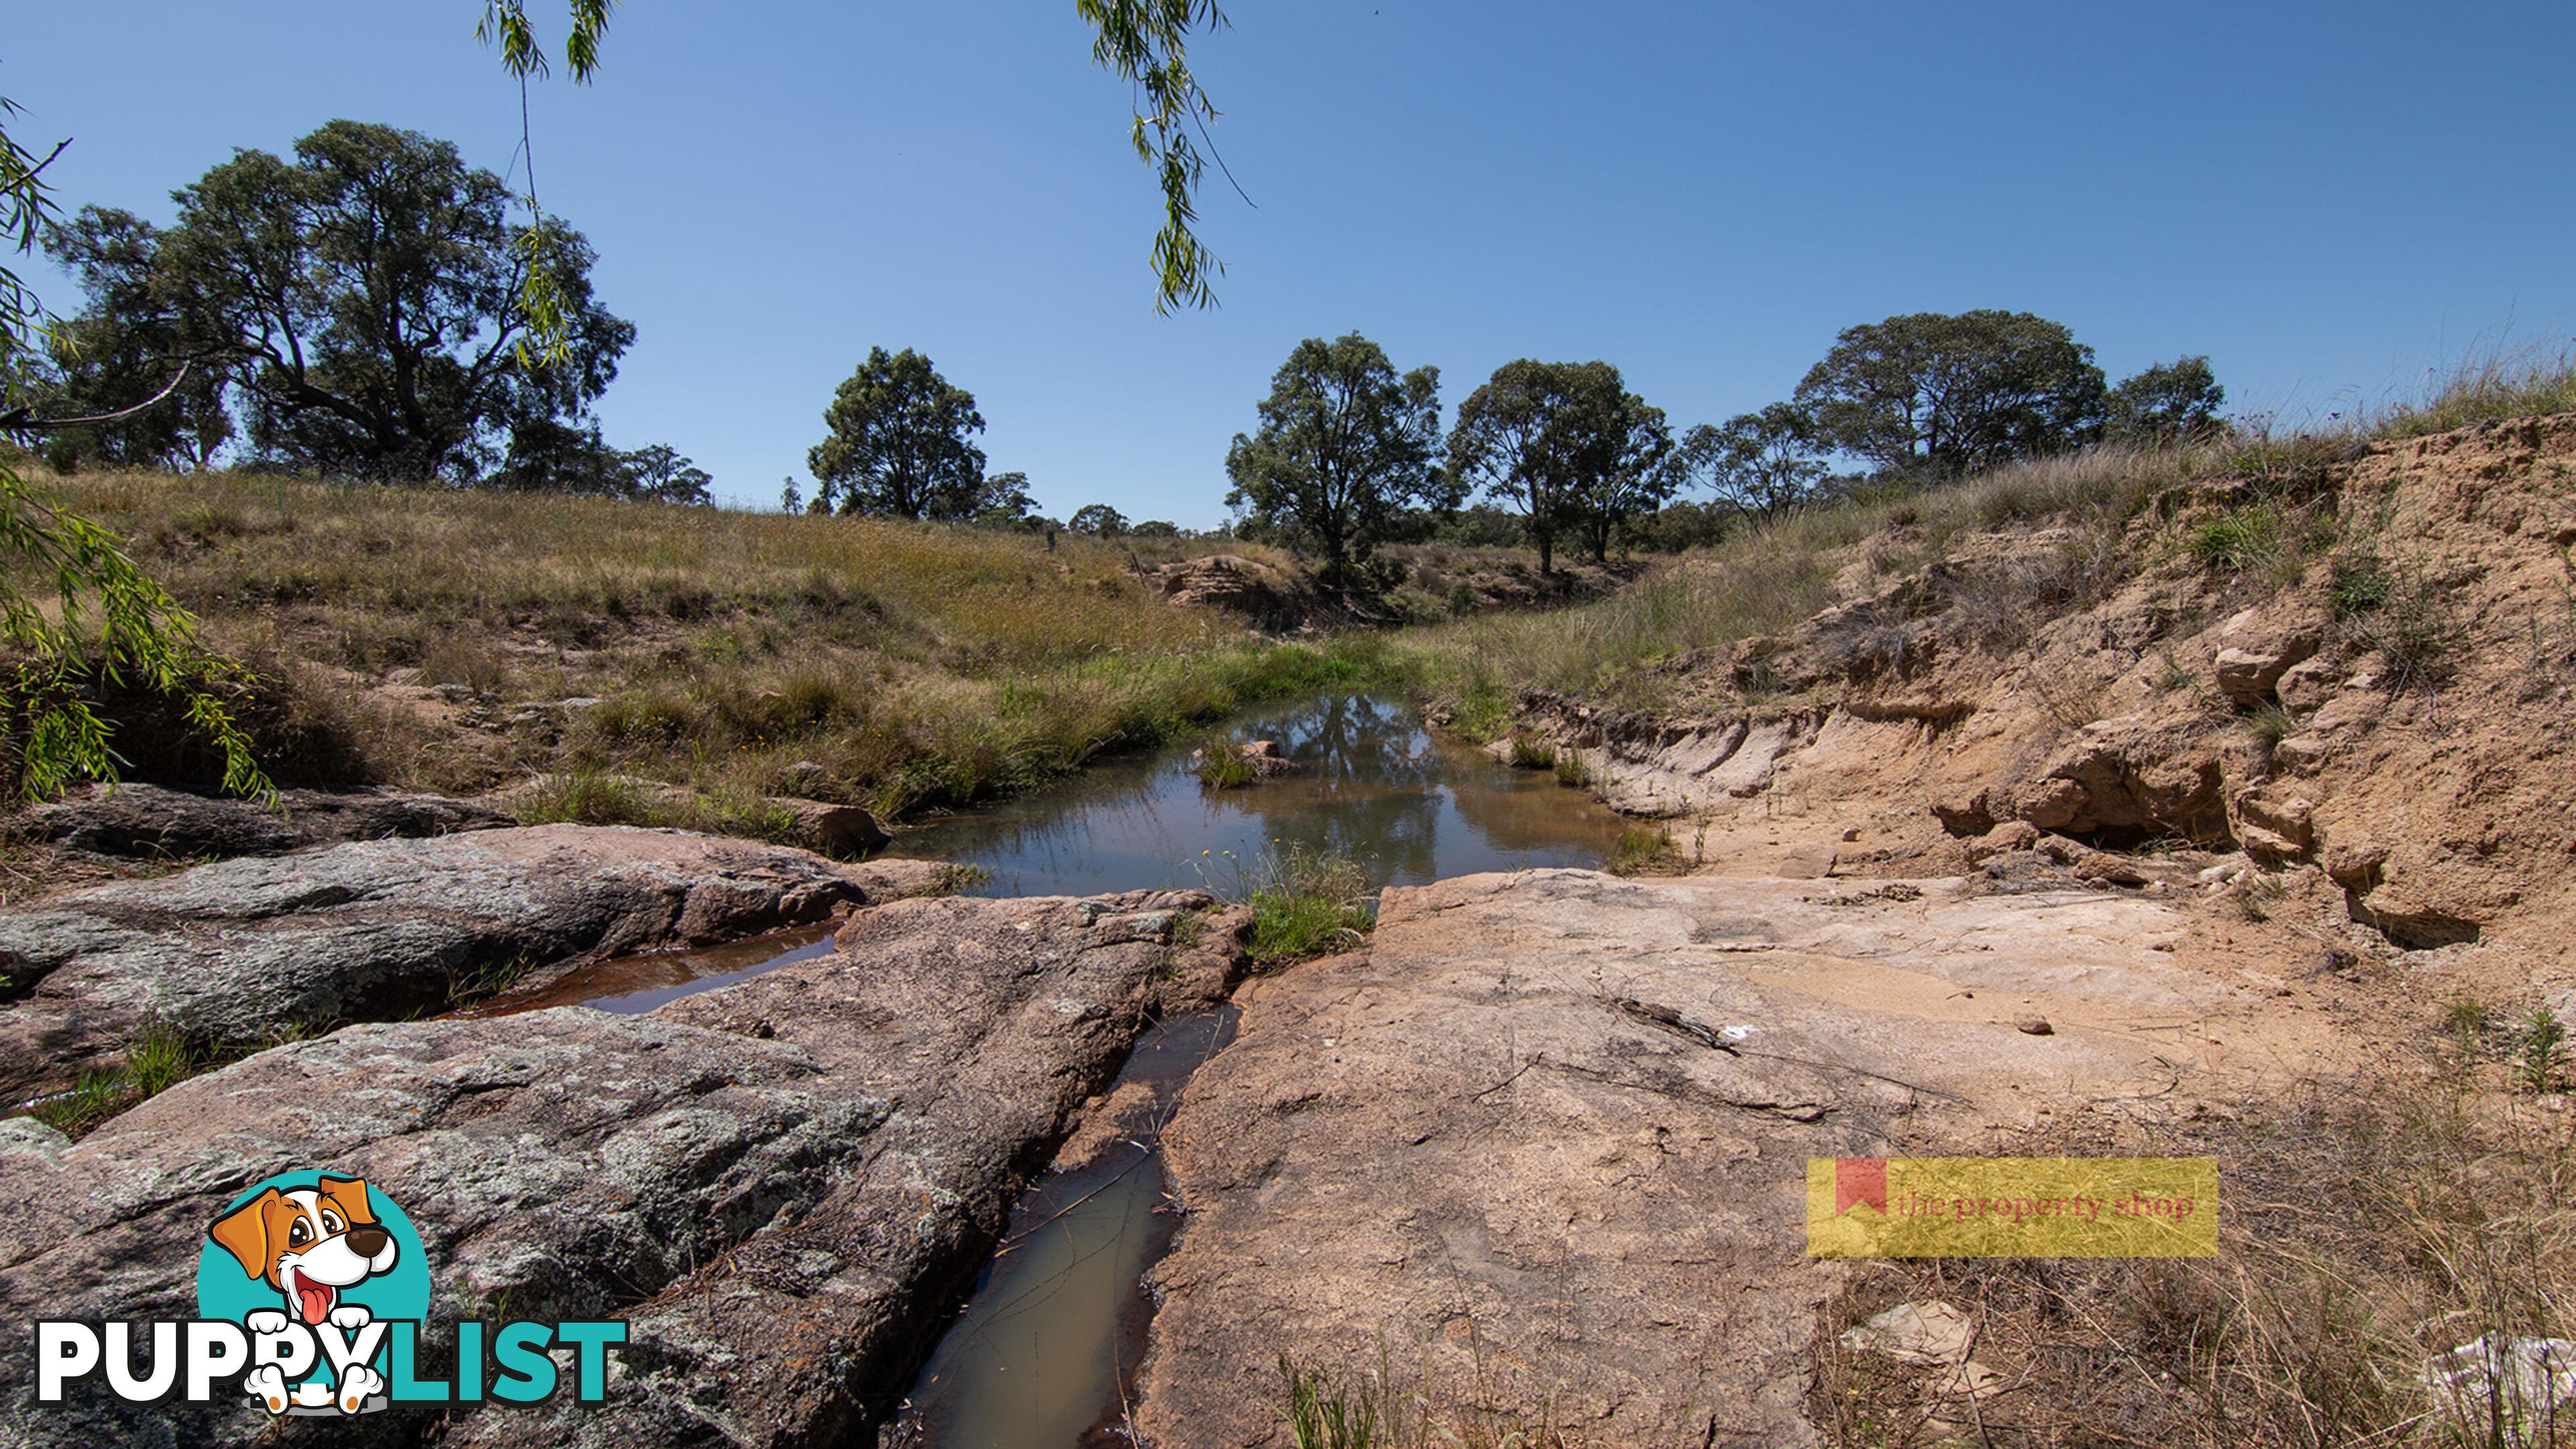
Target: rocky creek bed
x: 777, y: 1183
x: 1504, y: 1135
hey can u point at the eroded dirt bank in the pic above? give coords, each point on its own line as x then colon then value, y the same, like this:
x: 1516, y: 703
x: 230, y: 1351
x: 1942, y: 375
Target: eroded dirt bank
x: 2355, y: 679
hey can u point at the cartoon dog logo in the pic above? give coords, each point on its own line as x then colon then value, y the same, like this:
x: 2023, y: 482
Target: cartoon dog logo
x: 311, y: 1245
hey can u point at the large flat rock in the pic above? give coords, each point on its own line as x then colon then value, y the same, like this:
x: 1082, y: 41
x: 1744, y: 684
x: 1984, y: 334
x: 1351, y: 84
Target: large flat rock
x: 1510, y: 1145
x: 245, y: 951
x: 149, y: 820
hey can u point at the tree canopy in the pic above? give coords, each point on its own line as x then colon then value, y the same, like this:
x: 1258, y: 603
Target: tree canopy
x: 1758, y: 462
x: 1620, y: 450
x: 1344, y: 446
x: 1098, y: 520
x: 899, y: 443
x: 1568, y: 445
x: 2166, y: 402
x: 363, y: 304
x: 548, y: 457
x: 1943, y: 396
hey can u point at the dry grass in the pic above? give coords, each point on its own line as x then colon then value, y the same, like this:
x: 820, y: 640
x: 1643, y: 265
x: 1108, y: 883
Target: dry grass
x: 900, y: 664
x: 1635, y: 648
x: 1492, y: 1405
x: 2368, y: 1228
x: 2524, y: 382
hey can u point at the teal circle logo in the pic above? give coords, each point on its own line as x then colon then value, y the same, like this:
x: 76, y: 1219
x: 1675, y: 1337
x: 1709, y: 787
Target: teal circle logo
x: 305, y: 1255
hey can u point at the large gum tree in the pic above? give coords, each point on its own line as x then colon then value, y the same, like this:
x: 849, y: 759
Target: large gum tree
x: 365, y: 301
x: 1345, y: 446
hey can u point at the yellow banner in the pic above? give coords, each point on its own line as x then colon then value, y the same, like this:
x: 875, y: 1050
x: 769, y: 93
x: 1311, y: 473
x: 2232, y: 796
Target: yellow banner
x: 2012, y: 1207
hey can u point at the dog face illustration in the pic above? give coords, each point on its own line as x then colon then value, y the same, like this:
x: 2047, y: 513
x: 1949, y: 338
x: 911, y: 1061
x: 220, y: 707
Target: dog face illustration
x: 308, y: 1243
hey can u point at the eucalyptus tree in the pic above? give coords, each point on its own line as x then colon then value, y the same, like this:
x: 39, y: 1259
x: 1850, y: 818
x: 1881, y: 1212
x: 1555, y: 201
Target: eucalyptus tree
x: 1758, y: 462
x: 1943, y: 396
x: 899, y: 443
x: 1344, y: 447
x: 363, y: 303
x: 2166, y: 402
x: 1567, y: 445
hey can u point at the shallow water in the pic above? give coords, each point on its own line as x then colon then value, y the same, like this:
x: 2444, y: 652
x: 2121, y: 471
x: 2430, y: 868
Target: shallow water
x: 1052, y: 1337
x: 634, y: 984
x: 1372, y: 785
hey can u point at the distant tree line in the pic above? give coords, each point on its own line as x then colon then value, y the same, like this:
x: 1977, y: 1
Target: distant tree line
x: 355, y: 312
x: 1349, y: 454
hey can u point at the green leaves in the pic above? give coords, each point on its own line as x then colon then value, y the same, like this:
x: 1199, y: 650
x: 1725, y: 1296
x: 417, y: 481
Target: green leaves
x: 1344, y: 445
x: 1759, y: 462
x: 1567, y: 444
x: 1950, y: 395
x: 108, y: 623
x: 374, y: 309
x: 1144, y: 42
x: 898, y: 442
x: 111, y: 626
x: 505, y: 23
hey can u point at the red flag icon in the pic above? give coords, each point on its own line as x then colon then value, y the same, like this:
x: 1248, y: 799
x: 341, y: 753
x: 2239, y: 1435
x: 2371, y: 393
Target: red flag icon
x: 1859, y: 1180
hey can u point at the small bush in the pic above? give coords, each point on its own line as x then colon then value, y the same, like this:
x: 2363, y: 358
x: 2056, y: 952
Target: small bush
x: 2399, y: 613
x: 1644, y: 849
x: 2544, y: 1041
x: 2239, y: 541
x: 1304, y: 903
x: 1570, y: 769
x: 155, y: 1061
x: 2359, y: 584
x: 2466, y: 1020
x: 1221, y: 765
x: 1532, y: 753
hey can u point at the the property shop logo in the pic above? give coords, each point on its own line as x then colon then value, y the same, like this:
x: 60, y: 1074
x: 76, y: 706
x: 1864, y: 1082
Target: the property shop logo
x: 312, y: 1291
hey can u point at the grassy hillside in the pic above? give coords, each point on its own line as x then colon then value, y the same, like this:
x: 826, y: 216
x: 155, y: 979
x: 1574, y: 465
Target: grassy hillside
x: 433, y: 639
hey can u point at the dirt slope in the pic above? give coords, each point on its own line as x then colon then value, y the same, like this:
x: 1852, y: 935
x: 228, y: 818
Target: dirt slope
x: 2358, y: 678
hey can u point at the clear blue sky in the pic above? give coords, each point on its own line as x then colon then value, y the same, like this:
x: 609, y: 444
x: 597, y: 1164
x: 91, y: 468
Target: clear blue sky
x: 2325, y: 199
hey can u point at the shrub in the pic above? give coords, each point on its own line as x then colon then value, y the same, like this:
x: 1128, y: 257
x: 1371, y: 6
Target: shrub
x: 1221, y: 765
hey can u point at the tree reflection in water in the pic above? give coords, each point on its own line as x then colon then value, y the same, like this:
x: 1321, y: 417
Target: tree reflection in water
x: 1371, y: 786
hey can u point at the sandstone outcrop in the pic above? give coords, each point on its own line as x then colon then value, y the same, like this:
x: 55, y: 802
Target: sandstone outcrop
x: 777, y: 1183
x: 244, y: 951
x: 2408, y: 691
x: 1553, y: 1128
x: 1256, y: 590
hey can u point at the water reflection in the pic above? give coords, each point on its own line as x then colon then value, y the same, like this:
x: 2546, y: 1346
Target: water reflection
x: 1371, y: 786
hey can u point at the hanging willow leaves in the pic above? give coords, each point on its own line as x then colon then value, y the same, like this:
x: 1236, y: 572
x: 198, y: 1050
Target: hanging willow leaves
x: 548, y: 341
x: 108, y: 624
x: 1142, y: 42
x: 1145, y: 42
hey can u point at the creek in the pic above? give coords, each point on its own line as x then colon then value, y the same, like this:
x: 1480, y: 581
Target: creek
x: 1048, y: 1344
x: 1370, y: 784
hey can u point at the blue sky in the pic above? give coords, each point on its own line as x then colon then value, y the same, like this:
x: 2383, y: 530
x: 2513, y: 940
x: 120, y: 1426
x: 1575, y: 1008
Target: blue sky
x: 2327, y: 200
